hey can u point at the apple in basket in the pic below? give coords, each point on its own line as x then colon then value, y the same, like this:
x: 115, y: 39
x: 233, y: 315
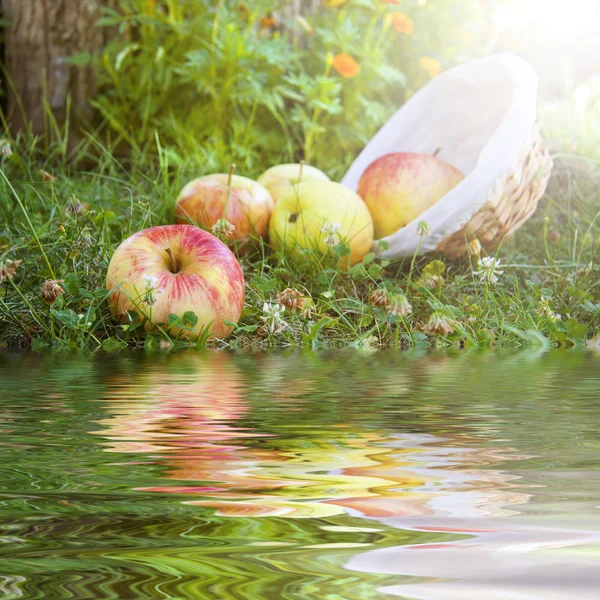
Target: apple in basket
x: 177, y: 269
x: 234, y: 208
x: 319, y: 215
x: 279, y: 180
x: 399, y: 187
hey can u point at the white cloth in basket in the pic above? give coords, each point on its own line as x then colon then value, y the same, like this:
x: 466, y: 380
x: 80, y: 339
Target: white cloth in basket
x: 481, y: 115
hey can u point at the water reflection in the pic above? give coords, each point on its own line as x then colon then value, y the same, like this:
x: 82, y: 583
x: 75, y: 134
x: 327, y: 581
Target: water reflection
x: 188, y: 417
x: 338, y: 474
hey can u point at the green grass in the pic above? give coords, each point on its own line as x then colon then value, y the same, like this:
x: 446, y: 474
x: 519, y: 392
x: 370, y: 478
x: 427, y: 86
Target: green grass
x: 551, y: 266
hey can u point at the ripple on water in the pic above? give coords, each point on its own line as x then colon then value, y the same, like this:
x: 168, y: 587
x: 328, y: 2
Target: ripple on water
x: 332, y: 475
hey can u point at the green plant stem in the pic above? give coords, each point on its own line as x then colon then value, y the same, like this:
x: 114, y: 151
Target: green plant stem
x: 26, y: 215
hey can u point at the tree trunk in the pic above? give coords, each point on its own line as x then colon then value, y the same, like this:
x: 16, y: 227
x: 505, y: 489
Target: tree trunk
x: 41, y: 36
x: 293, y: 8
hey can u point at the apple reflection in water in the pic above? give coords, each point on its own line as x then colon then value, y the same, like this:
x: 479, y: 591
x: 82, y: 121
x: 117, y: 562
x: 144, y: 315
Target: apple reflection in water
x: 186, y: 416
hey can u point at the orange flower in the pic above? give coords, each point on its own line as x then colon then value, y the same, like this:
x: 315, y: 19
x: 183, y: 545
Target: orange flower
x: 333, y: 3
x: 345, y: 65
x: 431, y: 65
x: 395, y: 2
x: 401, y: 23
x: 268, y: 22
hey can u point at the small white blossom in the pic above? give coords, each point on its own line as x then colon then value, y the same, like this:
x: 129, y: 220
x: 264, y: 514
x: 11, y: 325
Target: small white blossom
x: 400, y: 306
x: 546, y: 311
x: 489, y: 270
x: 5, y: 147
x: 223, y: 229
x: 331, y: 231
x: 151, y: 289
x: 273, y: 317
x: 8, y: 268
x: 438, y: 324
x: 74, y: 207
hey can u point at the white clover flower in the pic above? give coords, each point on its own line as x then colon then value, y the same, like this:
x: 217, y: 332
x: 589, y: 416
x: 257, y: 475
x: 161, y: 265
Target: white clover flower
x: 223, y: 229
x: 489, y: 270
x: 273, y: 316
x: 8, y: 268
x: 74, y: 207
x: 5, y: 147
x: 331, y: 231
x: 438, y: 324
x: 547, y: 311
x: 400, y: 306
x: 151, y: 289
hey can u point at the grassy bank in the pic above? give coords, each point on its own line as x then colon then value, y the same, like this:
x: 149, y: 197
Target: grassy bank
x: 62, y: 222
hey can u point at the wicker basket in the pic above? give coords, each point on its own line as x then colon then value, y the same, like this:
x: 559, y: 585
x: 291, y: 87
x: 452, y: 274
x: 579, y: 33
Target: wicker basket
x: 480, y: 117
x: 509, y: 207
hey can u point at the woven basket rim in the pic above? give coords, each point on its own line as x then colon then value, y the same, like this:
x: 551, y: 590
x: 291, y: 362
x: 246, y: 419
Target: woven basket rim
x: 508, y: 206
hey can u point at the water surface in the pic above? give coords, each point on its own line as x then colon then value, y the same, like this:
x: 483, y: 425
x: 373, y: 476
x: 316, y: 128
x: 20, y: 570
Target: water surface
x: 339, y: 475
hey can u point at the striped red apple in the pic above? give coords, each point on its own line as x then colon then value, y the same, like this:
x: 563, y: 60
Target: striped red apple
x: 234, y: 208
x: 174, y: 270
x: 400, y: 186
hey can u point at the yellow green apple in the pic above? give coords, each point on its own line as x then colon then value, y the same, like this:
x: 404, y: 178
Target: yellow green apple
x: 318, y: 215
x: 207, y: 200
x: 400, y: 186
x: 177, y: 269
x: 280, y: 179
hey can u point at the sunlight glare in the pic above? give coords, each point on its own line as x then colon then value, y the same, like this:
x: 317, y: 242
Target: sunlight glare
x: 561, y: 19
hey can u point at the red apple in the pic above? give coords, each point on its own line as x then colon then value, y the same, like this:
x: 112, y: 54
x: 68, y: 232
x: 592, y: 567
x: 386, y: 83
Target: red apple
x: 399, y: 187
x: 207, y: 200
x: 175, y: 269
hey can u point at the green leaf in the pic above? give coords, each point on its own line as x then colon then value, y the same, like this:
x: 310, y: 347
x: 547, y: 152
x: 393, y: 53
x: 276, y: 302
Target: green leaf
x: 129, y: 327
x: 342, y: 249
x: 369, y: 258
x: 72, y: 283
x: 190, y: 319
x: 100, y: 294
x: 241, y: 328
x: 264, y: 284
x: 577, y: 331
x: 174, y: 319
x: 314, y: 328
x: 435, y: 267
x: 67, y: 317
x: 365, y: 321
x: 375, y: 270
x: 113, y: 344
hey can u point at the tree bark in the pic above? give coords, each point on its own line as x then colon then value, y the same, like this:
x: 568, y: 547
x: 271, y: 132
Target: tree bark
x: 41, y: 36
x: 293, y: 8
